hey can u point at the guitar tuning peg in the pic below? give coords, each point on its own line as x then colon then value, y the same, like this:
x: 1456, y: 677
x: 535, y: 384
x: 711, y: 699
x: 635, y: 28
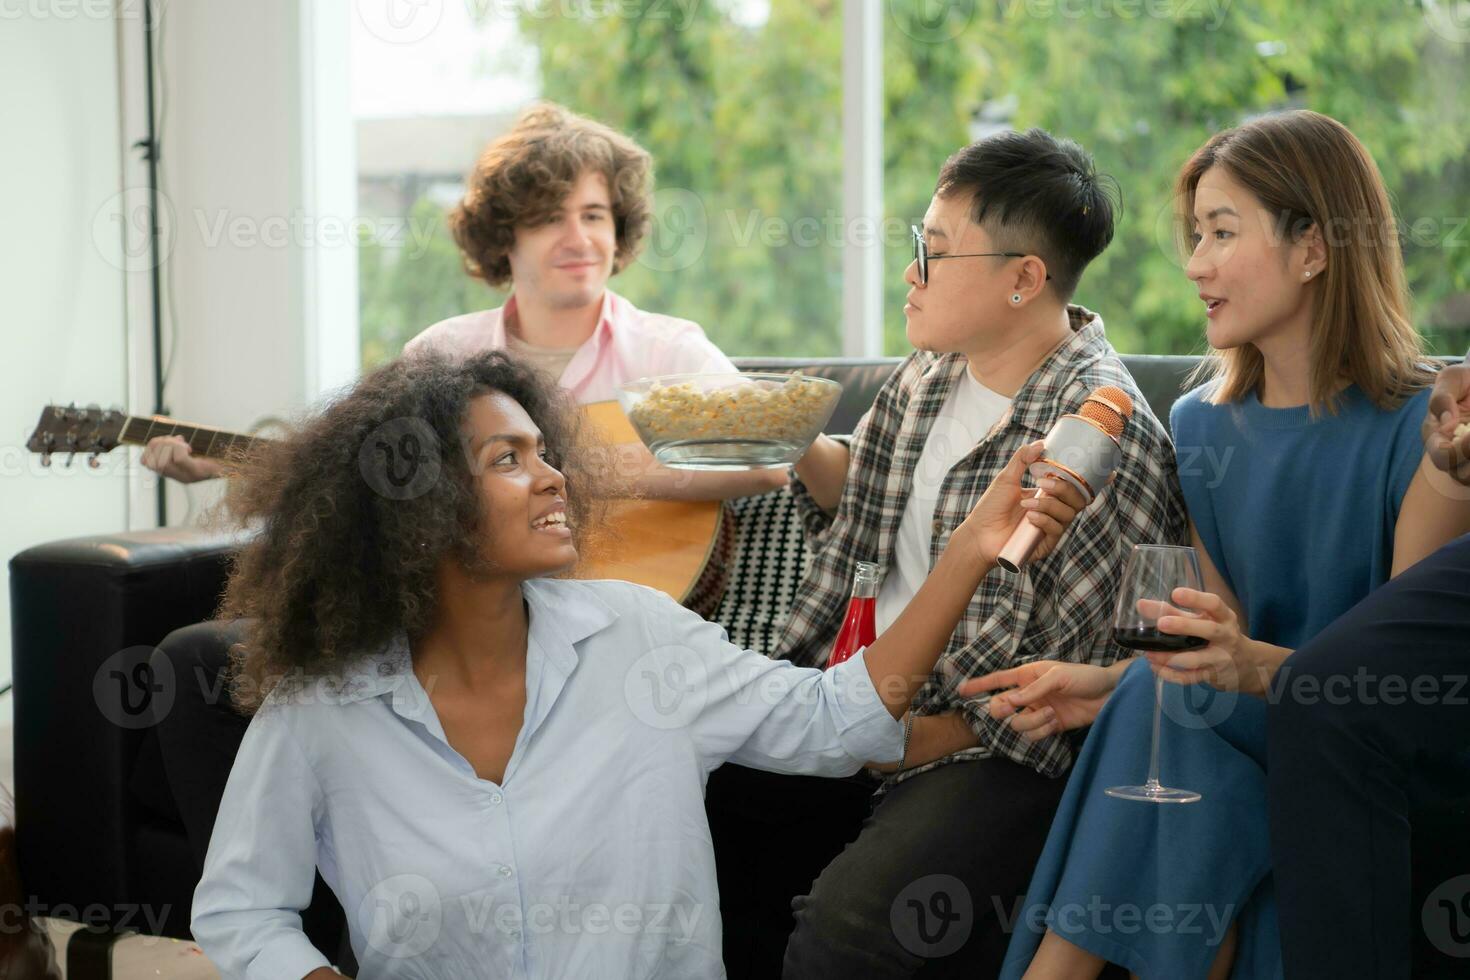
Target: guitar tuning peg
x: 93, y: 462
x: 69, y: 457
x: 46, y: 460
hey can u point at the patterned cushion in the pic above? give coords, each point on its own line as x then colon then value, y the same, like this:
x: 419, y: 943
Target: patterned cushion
x: 769, y: 561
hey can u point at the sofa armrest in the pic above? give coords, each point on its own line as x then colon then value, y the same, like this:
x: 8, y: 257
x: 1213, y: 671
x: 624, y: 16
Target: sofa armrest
x: 85, y: 615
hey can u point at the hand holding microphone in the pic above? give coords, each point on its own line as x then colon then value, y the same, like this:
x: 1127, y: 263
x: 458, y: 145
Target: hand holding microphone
x: 1082, y: 452
x: 992, y: 520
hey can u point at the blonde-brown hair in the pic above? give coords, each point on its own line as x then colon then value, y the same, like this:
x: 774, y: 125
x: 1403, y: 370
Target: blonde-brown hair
x: 524, y: 176
x: 1309, y: 170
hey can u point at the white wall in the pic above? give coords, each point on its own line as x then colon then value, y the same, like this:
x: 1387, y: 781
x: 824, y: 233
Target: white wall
x: 232, y: 151
x: 259, y: 173
x: 258, y: 185
x: 62, y: 324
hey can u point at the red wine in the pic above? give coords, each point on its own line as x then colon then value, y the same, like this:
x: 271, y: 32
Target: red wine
x: 1151, y: 638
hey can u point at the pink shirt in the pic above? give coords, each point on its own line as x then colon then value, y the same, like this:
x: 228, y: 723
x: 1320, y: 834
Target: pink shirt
x: 627, y: 344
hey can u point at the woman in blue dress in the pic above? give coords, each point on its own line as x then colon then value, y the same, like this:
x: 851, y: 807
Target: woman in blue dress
x: 1304, y: 475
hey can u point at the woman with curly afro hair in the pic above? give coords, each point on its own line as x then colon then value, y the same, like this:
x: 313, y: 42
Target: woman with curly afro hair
x: 498, y: 770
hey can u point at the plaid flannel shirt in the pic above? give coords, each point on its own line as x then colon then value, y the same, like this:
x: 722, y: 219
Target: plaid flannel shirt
x: 1060, y: 608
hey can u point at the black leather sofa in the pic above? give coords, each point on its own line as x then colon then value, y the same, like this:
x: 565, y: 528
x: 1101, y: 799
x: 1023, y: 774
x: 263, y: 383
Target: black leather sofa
x: 99, y: 833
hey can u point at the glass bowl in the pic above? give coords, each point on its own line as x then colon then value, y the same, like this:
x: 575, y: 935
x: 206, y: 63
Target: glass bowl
x: 739, y: 421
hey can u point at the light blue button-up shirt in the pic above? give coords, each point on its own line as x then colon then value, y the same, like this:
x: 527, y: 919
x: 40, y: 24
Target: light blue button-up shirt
x: 591, y: 859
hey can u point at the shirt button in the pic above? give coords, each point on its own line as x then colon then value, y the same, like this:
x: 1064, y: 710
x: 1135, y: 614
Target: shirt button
x: 504, y: 872
x: 496, y: 799
x: 938, y: 526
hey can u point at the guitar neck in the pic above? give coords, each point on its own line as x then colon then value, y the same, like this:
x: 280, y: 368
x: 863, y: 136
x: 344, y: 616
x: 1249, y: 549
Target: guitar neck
x: 203, y: 441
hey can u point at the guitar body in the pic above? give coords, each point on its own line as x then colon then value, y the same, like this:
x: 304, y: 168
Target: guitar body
x: 680, y: 547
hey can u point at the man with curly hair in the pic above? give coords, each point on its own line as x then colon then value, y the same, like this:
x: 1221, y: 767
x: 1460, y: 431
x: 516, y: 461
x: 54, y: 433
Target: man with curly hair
x: 555, y: 207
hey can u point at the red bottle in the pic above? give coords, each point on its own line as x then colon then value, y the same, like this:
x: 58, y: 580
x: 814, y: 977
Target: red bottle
x: 860, y: 628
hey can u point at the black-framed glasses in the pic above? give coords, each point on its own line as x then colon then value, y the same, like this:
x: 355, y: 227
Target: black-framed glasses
x: 923, y: 258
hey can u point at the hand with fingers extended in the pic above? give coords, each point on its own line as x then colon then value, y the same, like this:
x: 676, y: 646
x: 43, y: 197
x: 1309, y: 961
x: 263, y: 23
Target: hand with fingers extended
x: 172, y: 457
x: 1044, y: 697
x: 1446, y: 428
x: 1005, y: 504
x: 1229, y: 660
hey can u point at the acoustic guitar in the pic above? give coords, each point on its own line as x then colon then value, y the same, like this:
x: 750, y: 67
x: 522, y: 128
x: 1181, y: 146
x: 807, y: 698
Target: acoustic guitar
x: 682, y: 548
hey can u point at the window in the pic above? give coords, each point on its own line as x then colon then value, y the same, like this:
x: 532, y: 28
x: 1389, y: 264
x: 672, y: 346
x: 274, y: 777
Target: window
x: 741, y: 104
x: 1142, y: 84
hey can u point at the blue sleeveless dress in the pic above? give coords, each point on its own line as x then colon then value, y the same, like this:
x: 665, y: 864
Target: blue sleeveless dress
x: 1298, y: 515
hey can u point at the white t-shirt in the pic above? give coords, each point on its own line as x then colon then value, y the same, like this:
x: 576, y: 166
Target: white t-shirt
x: 968, y: 415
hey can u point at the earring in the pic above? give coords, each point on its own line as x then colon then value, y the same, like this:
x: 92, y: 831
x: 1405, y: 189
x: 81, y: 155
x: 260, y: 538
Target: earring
x: 1015, y: 297
x: 1308, y: 274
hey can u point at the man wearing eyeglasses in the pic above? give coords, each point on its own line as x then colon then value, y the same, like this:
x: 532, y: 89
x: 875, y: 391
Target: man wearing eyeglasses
x: 934, y: 873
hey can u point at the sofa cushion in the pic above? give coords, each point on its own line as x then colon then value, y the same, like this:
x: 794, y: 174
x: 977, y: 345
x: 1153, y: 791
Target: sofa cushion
x: 1161, y: 378
x: 770, y: 558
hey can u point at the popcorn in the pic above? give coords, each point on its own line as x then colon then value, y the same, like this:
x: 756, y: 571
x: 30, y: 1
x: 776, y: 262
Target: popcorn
x: 764, y: 410
x: 1462, y: 430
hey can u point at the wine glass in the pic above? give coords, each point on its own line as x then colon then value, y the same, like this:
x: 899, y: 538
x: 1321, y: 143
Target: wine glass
x: 1154, y: 572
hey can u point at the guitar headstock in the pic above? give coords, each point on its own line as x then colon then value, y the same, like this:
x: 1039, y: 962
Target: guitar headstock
x: 68, y: 429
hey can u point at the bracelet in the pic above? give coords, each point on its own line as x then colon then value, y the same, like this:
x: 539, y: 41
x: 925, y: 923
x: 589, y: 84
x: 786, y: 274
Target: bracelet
x: 908, y: 727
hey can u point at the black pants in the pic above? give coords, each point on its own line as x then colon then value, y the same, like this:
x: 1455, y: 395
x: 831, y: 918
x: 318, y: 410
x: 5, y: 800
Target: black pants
x: 1372, y: 720
x: 927, y: 883
x: 201, y: 733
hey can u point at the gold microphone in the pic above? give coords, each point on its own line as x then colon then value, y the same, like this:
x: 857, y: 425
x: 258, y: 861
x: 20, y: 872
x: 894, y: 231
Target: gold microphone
x: 1082, y: 448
